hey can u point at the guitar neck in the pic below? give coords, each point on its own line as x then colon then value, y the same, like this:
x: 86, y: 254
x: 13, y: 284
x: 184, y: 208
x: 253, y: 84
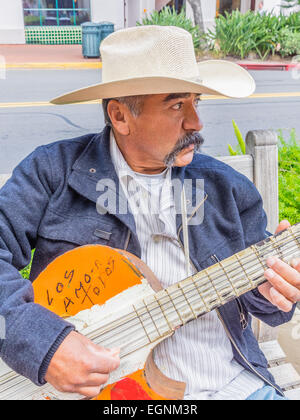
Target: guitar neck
x: 220, y: 283
x: 155, y: 317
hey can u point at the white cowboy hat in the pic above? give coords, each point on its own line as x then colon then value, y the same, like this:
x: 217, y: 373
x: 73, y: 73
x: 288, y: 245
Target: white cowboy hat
x: 159, y: 59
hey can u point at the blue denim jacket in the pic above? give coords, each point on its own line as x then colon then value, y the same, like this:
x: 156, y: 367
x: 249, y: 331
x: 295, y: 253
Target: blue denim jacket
x: 50, y: 204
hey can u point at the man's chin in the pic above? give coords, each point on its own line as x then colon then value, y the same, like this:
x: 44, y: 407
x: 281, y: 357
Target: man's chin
x: 184, y: 159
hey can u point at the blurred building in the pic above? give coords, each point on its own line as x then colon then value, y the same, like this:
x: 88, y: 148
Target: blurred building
x: 16, y: 15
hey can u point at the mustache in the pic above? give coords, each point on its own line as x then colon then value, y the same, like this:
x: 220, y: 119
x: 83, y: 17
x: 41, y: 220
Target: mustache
x: 192, y: 138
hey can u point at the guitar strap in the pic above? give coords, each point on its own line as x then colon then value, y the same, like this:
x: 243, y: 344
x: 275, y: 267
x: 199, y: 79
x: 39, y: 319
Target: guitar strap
x: 185, y: 230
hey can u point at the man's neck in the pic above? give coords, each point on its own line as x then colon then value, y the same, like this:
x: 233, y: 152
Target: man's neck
x: 134, y: 159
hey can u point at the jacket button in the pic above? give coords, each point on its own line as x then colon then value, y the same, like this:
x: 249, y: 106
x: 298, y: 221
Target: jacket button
x: 93, y: 171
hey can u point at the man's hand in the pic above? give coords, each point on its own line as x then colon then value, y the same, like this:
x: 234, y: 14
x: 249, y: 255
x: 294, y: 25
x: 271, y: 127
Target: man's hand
x: 283, y: 286
x: 79, y: 366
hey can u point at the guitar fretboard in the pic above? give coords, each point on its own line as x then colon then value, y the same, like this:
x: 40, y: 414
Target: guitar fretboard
x: 214, y: 286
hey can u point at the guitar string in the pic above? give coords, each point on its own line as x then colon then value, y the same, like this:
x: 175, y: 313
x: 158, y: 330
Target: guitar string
x: 135, y: 342
x: 236, y: 264
x: 237, y: 267
x: 266, y: 246
x: 198, y: 298
x: 161, y: 317
x: 143, y: 337
x: 180, y: 296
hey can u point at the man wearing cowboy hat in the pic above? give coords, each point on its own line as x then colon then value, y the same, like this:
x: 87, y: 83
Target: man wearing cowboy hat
x: 53, y: 202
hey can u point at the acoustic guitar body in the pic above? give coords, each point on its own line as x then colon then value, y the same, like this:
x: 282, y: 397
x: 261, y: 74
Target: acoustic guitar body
x: 96, y: 283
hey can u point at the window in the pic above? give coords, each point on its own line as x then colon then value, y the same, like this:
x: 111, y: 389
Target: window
x: 227, y: 6
x: 178, y: 4
x: 56, y: 12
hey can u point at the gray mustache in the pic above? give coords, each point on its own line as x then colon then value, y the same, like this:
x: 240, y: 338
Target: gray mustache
x: 193, y: 138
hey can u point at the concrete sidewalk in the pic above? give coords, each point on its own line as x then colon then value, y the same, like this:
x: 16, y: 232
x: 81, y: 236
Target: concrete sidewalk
x: 70, y: 57
x: 46, y: 57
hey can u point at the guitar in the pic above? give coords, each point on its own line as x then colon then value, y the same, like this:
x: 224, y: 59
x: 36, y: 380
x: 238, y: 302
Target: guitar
x: 114, y: 299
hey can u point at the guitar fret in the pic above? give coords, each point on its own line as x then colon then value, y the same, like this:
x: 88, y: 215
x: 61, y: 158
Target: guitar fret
x: 232, y: 285
x: 277, y: 246
x: 149, y: 312
x: 295, y: 237
x: 163, y: 312
x: 200, y: 294
x: 241, y: 265
x: 258, y: 257
x: 181, y: 288
x: 171, y: 300
x: 142, y: 324
x: 212, y: 283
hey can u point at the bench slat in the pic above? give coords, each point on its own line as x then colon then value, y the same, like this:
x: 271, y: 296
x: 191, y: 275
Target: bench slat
x: 3, y: 179
x: 273, y: 351
x: 293, y: 394
x: 285, y: 375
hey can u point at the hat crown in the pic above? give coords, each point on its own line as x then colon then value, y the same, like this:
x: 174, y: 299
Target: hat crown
x: 148, y: 51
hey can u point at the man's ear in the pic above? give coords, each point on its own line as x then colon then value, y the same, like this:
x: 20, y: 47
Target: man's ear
x: 118, y: 114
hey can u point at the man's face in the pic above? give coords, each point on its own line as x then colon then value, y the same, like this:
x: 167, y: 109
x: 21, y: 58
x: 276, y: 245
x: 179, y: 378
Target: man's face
x: 166, y: 131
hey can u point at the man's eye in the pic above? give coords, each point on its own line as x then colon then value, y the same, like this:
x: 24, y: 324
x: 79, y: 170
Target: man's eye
x: 197, y: 101
x: 177, y: 106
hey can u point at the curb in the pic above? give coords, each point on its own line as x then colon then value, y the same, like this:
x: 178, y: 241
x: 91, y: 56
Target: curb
x: 53, y: 66
x: 269, y: 66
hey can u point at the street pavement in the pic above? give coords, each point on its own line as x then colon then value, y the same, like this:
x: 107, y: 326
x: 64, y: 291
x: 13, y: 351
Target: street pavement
x: 27, y: 120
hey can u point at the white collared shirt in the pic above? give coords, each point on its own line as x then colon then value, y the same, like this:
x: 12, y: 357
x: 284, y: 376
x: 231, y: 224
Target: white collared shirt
x: 199, y: 353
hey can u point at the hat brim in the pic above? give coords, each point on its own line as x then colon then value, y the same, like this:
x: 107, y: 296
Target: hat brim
x: 218, y: 77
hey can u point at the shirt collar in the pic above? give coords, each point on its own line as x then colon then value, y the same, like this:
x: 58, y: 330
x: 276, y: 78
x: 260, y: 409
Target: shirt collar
x: 122, y: 168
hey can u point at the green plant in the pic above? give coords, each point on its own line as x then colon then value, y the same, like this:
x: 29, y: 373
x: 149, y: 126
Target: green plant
x: 237, y: 34
x: 289, y: 177
x: 33, y: 20
x: 169, y: 17
x: 26, y: 271
x: 289, y: 44
x: 241, y: 147
x: 288, y: 173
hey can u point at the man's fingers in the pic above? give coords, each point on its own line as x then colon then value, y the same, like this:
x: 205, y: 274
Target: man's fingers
x: 284, y: 224
x: 295, y: 263
x: 95, y: 380
x: 284, y: 270
x: 104, y: 361
x: 282, y: 286
x: 280, y: 301
x: 89, y: 392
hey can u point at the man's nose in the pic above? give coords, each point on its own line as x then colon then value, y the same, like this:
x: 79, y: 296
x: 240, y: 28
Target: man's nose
x: 192, y: 121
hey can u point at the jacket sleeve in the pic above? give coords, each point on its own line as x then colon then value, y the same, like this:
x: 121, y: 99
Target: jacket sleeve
x: 254, y: 221
x: 32, y: 333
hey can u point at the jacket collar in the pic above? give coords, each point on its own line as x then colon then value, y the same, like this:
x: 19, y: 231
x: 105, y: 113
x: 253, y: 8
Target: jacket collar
x: 93, y: 174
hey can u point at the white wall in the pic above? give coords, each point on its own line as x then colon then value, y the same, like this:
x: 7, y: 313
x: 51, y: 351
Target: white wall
x: 209, y: 8
x: 123, y: 13
x: 11, y: 22
x: 108, y: 10
x: 245, y: 5
x: 133, y: 12
x: 136, y: 10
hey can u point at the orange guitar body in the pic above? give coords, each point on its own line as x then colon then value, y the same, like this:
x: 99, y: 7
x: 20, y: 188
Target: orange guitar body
x: 92, y: 275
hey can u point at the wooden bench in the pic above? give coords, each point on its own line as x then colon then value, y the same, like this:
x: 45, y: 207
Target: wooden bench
x: 260, y: 165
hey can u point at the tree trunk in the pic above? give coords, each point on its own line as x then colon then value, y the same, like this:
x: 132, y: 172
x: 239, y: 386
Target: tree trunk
x: 198, y: 15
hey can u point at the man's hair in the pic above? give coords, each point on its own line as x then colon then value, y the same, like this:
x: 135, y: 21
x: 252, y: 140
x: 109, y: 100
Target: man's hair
x: 133, y: 103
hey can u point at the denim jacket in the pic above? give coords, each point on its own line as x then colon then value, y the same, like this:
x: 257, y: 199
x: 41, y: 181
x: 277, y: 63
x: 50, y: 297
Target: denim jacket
x: 50, y: 204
